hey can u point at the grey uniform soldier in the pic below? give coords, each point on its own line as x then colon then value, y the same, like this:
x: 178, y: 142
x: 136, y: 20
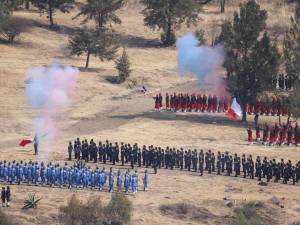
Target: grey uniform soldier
x: 36, y: 145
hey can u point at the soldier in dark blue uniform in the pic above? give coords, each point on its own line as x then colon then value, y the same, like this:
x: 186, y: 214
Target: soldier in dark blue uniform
x: 70, y: 150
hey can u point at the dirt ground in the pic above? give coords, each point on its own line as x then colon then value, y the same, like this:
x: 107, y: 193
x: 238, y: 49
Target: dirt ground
x: 102, y: 110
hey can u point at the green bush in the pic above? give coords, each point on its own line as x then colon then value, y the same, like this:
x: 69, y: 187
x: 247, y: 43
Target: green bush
x: 118, y: 211
x: 247, y: 215
x: 75, y: 212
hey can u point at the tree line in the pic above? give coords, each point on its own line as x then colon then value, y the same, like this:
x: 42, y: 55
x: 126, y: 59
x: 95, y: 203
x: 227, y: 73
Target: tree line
x: 252, y: 55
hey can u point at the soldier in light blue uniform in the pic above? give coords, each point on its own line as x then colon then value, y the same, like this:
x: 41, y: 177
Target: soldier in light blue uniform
x: 92, y: 180
x: 97, y: 178
x: 9, y: 172
x: 13, y: 174
x: 5, y: 172
x: 25, y: 172
x: 20, y: 176
x: 65, y: 175
x: 111, y: 180
x: 29, y: 175
x: 43, y: 172
x: 127, y: 181
x: 85, y: 178
x: 53, y: 177
x: 70, y: 177
x: 33, y: 171
x: 1, y: 170
x: 146, y: 180
x: 89, y: 174
x: 102, y: 179
x: 120, y: 180
x: 134, y: 182
x: 61, y: 177
x: 37, y: 174
x: 78, y: 178
x: 49, y: 174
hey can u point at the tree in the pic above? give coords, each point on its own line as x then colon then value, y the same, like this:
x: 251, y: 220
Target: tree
x: 200, y: 34
x: 291, y: 50
x: 168, y: 15
x: 294, y: 103
x: 8, y: 30
x: 250, y: 61
x: 291, y: 53
x: 102, y: 11
x: 222, y: 5
x: 98, y: 42
x: 5, y: 13
x: 123, y: 66
x: 49, y: 7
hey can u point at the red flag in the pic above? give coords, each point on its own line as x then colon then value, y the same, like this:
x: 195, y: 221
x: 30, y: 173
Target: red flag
x: 25, y: 142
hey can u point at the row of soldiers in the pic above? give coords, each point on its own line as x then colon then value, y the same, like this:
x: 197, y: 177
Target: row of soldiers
x: 192, y: 103
x: 268, y: 107
x: 281, y: 134
x: 171, y: 158
x: 212, y: 103
x: 34, y: 173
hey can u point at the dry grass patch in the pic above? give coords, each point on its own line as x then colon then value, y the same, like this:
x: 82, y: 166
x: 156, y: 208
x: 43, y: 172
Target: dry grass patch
x: 189, y: 212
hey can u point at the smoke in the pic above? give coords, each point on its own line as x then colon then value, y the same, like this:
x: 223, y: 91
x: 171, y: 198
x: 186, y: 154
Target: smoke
x: 49, y: 90
x: 206, y: 63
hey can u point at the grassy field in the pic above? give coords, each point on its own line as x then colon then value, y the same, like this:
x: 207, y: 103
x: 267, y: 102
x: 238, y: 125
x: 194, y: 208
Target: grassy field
x: 102, y: 110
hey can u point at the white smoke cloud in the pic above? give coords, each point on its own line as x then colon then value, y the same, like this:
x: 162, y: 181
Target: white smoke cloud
x: 49, y: 90
x: 205, y: 62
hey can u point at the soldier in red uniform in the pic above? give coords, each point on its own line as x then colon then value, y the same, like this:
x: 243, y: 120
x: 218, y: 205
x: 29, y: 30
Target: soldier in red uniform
x: 290, y: 136
x: 297, y: 135
x: 171, y: 102
x: 274, y: 107
x: 214, y: 103
x: 276, y: 132
x: 188, y: 103
x: 278, y: 107
x: 257, y: 107
x: 257, y: 132
x: 249, y: 107
x: 272, y: 136
x: 210, y: 103
x: 156, y: 106
x: 226, y: 105
x: 266, y: 134
x: 167, y: 101
x: 198, y: 103
x: 160, y: 100
x: 263, y: 108
x: 204, y: 103
x: 193, y: 103
x: 221, y: 105
x: 282, y: 136
x: 250, y: 138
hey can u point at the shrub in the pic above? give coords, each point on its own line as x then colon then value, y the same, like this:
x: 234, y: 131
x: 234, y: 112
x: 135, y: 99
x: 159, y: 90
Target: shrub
x: 31, y: 202
x: 118, y: 211
x: 75, y: 212
x: 9, y: 33
x: 247, y: 215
